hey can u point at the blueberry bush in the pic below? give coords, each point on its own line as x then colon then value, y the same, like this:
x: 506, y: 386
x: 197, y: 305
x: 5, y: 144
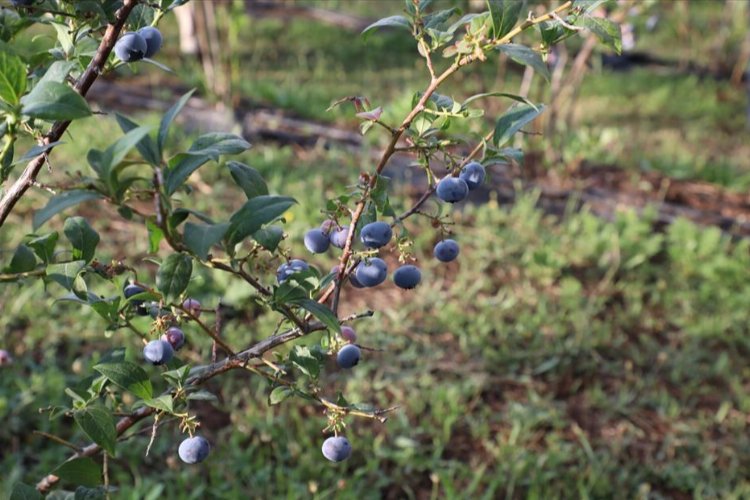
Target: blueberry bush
x: 155, y: 372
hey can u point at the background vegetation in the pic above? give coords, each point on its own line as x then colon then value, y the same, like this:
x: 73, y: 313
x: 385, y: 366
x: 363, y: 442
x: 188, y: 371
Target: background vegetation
x: 564, y: 355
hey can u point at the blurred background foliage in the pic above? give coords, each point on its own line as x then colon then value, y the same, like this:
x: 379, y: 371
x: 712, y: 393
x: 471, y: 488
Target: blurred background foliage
x: 574, y: 350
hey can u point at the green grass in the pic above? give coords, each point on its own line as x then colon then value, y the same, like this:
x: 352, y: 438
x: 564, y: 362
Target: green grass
x: 556, y: 358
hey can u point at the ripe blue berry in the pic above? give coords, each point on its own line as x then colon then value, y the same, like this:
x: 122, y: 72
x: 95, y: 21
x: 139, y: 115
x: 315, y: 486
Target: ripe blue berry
x: 376, y: 234
x: 371, y: 273
x: 153, y: 39
x: 407, y: 276
x: 194, y: 450
x: 348, y: 356
x: 158, y: 352
x: 354, y: 281
x: 316, y: 241
x: 337, y: 448
x: 452, y: 189
x: 175, y: 337
x: 288, y: 268
x: 348, y: 334
x: 338, y: 236
x: 131, y: 47
x: 446, y: 250
x: 473, y: 174
x: 129, y: 291
x: 192, y: 305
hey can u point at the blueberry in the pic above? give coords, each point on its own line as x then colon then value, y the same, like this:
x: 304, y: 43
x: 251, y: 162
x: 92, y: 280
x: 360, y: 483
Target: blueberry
x: 5, y: 358
x: 157, y: 312
x: 348, y: 334
x: 348, y: 356
x: 407, y: 276
x: 192, y: 305
x: 452, y: 189
x: 21, y: 3
x: 288, y: 268
x: 338, y: 237
x: 376, y: 234
x: 446, y: 250
x: 472, y: 174
x: 131, y: 47
x: 153, y: 39
x: 158, y: 352
x: 316, y: 241
x: 175, y: 337
x: 131, y: 290
x: 328, y: 226
x: 194, y: 450
x: 337, y: 448
x: 371, y: 273
x: 354, y: 281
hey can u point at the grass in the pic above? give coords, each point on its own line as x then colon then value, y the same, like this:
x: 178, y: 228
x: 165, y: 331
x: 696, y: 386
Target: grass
x: 556, y: 358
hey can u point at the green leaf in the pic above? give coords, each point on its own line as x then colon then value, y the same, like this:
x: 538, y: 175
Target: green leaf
x: 146, y: 146
x: 588, y: 6
x: 178, y: 376
x: 155, y: 235
x: 84, y: 493
x: 128, y: 376
x: 248, y: 179
x: 23, y: 260
x: 180, y: 168
x: 526, y: 56
x: 82, y: 236
x: 44, y: 246
x: 24, y: 492
x: 115, y: 153
x: 322, y: 312
x: 505, y: 15
x: 66, y: 274
x: 515, y: 97
x: 80, y: 471
x: 215, y: 144
x: 58, y: 71
x: 163, y: 403
x: 279, y: 394
x: 514, y: 120
x: 199, y: 238
x: 99, y: 425
x: 606, y: 31
x: 254, y: 214
x: 269, y: 237
x: 60, y: 202
x: 202, y: 396
x: 167, y: 120
x: 174, y: 275
x: 54, y: 101
x: 380, y: 196
x: 392, y: 21
x: 12, y: 78
x: 305, y: 361
x: 36, y: 151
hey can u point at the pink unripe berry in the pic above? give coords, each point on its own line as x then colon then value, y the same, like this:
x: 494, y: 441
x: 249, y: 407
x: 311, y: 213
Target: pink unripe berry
x: 348, y: 334
x: 5, y: 358
x: 193, y: 306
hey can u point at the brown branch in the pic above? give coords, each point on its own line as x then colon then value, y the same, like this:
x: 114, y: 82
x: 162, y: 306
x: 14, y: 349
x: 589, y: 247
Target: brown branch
x: 82, y: 86
x: 202, y: 375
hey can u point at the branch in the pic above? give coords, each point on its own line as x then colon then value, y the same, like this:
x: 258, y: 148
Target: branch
x: 202, y: 374
x: 82, y: 86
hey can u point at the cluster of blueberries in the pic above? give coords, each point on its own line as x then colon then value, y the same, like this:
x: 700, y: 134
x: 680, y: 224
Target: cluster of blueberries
x: 158, y: 352
x: 373, y: 271
x: 136, y: 45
